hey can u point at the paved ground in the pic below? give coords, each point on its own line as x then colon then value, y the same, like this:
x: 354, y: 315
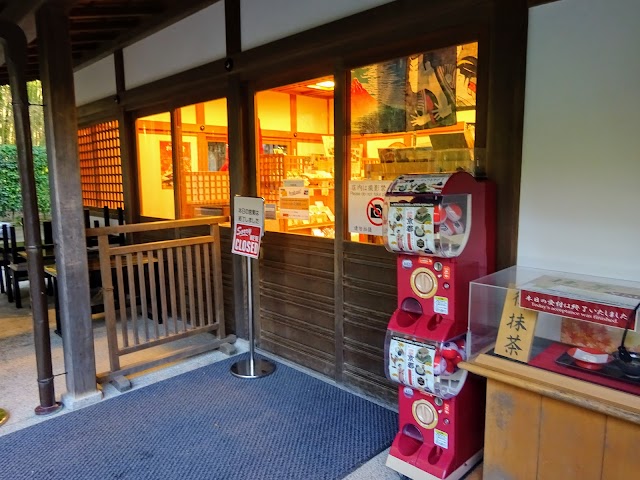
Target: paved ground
x: 18, y: 375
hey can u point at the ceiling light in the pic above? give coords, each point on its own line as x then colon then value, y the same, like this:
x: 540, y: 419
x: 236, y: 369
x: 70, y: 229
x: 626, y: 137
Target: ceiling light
x: 326, y: 85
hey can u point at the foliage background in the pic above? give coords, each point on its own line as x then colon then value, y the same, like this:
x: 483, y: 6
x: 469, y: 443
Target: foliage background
x: 10, y: 192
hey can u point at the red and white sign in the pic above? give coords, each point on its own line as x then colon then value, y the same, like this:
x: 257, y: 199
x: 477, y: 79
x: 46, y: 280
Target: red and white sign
x: 603, y: 314
x: 246, y: 240
x: 248, y: 226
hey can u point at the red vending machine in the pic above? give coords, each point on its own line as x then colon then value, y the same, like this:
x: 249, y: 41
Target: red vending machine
x: 443, y: 229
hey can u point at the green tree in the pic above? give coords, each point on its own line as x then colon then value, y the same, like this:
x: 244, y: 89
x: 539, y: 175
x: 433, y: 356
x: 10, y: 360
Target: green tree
x: 10, y: 191
x: 36, y: 115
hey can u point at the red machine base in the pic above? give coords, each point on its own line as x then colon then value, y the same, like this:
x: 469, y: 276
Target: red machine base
x: 416, y: 473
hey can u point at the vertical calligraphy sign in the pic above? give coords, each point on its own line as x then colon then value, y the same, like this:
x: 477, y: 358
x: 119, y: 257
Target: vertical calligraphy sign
x: 516, y: 331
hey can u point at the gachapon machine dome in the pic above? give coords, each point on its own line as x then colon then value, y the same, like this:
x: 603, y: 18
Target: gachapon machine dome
x: 443, y: 228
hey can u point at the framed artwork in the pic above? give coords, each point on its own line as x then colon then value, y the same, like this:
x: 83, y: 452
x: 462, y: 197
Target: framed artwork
x: 166, y: 162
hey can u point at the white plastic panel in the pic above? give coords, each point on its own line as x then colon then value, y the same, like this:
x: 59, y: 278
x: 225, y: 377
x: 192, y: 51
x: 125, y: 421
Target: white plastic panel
x: 580, y: 171
x: 193, y: 41
x: 95, y: 81
x: 264, y: 21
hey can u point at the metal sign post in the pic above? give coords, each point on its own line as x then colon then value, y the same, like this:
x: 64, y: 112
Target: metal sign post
x: 248, y: 228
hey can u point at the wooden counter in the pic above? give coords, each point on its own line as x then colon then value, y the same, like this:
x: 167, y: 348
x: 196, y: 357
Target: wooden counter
x: 543, y: 425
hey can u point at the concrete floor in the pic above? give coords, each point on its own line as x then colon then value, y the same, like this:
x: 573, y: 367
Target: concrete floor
x: 18, y: 375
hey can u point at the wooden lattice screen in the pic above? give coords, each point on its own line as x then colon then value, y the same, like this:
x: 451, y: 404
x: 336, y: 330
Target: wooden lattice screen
x: 207, y: 188
x: 101, y: 165
x: 273, y: 169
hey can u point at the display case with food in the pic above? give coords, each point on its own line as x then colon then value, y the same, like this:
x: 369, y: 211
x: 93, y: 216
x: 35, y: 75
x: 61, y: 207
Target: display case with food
x: 302, y: 190
x: 584, y: 327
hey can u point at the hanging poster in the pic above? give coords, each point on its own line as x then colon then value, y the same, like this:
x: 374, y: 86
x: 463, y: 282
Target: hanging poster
x: 166, y: 162
x: 431, y: 89
x: 405, y: 94
x: 467, y: 77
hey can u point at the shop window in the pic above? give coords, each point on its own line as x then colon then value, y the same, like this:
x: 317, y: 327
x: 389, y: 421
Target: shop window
x: 204, y: 175
x: 101, y: 165
x: 200, y: 183
x: 295, y: 162
x: 155, y: 166
x: 413, y: 114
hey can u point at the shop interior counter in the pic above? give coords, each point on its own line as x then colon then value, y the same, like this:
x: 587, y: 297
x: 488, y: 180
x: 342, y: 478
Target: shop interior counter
x: 560, y: 404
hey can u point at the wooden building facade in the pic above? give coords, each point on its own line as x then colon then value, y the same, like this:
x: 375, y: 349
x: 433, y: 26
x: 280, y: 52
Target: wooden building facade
x: 321, y: 302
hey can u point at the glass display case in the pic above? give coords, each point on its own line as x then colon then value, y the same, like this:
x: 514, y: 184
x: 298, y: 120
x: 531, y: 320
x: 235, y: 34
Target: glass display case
x: 580, y: 326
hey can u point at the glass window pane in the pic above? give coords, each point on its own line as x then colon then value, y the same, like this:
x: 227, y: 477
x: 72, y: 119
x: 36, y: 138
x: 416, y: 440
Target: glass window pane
x: 155, y: 166
x: 413, y: 114
x: 295, y: 161
x: 204, y: 172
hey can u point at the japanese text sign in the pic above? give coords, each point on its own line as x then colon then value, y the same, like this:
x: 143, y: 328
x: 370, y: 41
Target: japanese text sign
x: 366, y: 198
x: 294, y: 200
x: 610, y: 315
x: 516, y: 330
x: 591, y: 301
x: 248, y: 226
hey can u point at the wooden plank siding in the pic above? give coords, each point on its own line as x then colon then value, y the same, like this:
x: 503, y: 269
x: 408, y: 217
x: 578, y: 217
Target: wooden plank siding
x: 370, y: 297
x: 296, y: 301
x: 227, y: 280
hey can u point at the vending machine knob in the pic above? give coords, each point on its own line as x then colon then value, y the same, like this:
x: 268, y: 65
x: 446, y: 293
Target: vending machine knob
x: 425, y: 414
x: 424, y: 283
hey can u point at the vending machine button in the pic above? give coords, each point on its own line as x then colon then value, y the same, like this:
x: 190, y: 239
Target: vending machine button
x: 438, y: 401
x: 437, y: 266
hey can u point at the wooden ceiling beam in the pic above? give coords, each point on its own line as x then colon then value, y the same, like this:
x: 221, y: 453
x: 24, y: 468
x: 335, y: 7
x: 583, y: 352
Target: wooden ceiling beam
x: 175, y: 12
x: 97, y: 13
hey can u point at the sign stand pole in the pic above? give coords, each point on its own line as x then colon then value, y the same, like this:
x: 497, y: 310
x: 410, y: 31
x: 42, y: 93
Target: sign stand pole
x: 251, y: 367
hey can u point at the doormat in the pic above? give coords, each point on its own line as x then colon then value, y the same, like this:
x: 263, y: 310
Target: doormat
x: 207, y: 424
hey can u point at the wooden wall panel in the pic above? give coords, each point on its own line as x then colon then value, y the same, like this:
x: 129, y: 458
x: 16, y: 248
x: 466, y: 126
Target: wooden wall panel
x: 369, y: 293
x: 511, y: 438
x: 571, y: 441
x: 296, y: 301
x: 621, y: 459
x: 227, y: 280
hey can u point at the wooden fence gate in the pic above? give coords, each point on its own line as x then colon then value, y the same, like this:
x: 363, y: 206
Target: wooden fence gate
x: 156, y: 292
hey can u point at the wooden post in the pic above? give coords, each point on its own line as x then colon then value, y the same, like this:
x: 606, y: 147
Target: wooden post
x: 15, y: 45
x: 56, y: 70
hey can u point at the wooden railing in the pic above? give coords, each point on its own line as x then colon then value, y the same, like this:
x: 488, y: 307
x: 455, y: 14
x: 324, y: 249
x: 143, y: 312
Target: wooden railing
x: 160, y: 291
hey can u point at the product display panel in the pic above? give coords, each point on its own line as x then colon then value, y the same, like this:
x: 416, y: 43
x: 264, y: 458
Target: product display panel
x: 414, y: 114
x: 295, y: 158
x: 581, y: 326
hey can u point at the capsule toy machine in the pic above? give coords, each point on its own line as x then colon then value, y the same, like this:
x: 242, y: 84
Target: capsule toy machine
x: 443, y: 229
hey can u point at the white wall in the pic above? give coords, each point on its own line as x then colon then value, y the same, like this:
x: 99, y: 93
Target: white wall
x: 193, y: 41
x: 264, y: 21
x: 580, y: 196
x: 95, y: 81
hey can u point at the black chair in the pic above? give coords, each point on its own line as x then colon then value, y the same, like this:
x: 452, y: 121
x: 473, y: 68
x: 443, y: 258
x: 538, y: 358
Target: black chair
x: 2, y: 267
x: 15, y: 266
